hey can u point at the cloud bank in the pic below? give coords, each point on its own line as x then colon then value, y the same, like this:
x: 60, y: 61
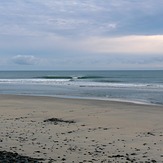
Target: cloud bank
x: 25, y: 60
x: 115, y: 33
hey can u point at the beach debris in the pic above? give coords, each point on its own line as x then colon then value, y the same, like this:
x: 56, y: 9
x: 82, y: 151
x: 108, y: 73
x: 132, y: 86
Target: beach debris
x: 11, y: 157
x: 58, y: 120
x: 150, y: 133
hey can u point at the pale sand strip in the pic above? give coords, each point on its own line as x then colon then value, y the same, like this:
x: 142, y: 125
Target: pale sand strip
x: 104, y: 131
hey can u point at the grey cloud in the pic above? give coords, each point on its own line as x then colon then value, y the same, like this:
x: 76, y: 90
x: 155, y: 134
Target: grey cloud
x: 55, y: 17
x: 79, y: 17
x: 25, y: 60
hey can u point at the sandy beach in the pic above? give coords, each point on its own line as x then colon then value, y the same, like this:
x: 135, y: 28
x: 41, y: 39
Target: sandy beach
x: 75, y: 130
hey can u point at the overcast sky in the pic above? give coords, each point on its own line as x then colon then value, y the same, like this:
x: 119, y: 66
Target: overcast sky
x: 81, y: 34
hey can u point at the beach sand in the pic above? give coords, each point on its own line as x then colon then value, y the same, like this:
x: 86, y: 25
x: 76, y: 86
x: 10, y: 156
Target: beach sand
x: 85, y: 131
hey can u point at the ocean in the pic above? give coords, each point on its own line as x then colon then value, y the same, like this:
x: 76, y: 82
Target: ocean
x: 130, y: 86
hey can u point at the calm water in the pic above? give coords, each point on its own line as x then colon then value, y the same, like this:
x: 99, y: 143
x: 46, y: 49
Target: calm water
x: 135, y: 86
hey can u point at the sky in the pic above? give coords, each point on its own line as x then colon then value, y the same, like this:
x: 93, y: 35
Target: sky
x: 81, y: 34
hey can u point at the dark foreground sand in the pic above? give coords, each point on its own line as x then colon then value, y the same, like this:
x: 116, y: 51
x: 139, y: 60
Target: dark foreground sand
x: 85, y: 131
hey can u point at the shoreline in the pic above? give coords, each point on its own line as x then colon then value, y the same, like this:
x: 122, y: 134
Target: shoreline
x: 137, y: 102
x: 107, y: 131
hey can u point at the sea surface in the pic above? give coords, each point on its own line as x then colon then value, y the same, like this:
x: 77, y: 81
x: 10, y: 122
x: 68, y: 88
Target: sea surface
x: 131, y: 86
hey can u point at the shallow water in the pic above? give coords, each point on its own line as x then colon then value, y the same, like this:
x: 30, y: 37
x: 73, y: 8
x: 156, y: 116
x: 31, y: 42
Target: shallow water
x: 135, y: 86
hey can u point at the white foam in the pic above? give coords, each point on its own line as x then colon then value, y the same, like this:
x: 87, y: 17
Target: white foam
x: 34, y: 81
x: 69, y: 82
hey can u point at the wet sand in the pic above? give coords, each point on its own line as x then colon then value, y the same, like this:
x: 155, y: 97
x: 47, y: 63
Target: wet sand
x: 74, y: 130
